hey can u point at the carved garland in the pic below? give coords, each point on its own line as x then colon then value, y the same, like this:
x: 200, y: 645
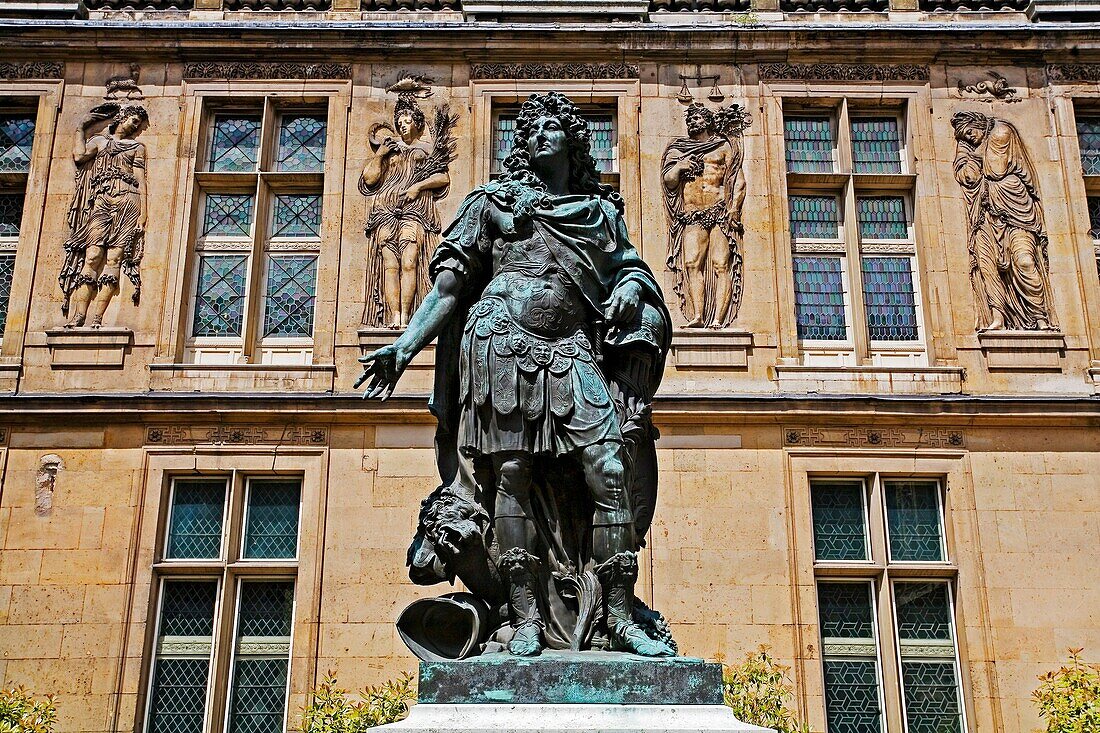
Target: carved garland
x: 251, y: 70
x: 844, y: 72
x: 873, y: 438
x: 32, y: 70
x: 554, y: 71
x: 1073, y: 72
x: 235, y: 435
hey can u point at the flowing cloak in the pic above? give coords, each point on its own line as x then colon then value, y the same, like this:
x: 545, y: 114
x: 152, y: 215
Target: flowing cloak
x: 105, y: 208
x: 587, y: 237
x: 1001, y: 197
x: 388, y: 209
x: 679, y: 219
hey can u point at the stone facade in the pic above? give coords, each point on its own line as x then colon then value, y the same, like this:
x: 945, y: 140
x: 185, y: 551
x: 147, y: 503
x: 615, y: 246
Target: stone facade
x: 96, y: 425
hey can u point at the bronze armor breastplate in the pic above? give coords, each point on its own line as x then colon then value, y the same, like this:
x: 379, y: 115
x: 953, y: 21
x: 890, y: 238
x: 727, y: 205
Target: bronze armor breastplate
x: 539, y: 295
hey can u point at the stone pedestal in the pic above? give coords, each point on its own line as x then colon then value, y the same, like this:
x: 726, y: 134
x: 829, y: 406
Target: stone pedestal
x: 88, y: 347
x: 1023, y: 350
x: 697, y: 348
x: 571, y: 691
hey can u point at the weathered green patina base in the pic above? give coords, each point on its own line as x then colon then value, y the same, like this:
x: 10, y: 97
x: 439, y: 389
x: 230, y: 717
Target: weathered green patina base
x: 571, y: 678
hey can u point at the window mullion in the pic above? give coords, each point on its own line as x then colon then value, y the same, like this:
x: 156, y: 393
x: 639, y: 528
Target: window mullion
x: 889, y: 654
x: 257, y: 272
x: 858, y: 321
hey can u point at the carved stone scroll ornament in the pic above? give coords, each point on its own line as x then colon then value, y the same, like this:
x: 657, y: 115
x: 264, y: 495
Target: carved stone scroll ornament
x: 843, y: 72
x: 406, y: 173
x: 554, y: 71
x: 704, y: 191
x: 996, y: 87
x: 1009, y: 269
x: 108, y: 213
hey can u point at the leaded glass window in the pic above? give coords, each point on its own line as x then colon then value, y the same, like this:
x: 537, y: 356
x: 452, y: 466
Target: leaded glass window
x: 258, y: 700
x: 882, y: 217
x: 181, y: 672
x: 16, y: 140
x: 810, y: 144
x: 291, y: 296
x: 227, y: 215
x: 603, y: 139
x: 11, y: 214
x: 819, y: 298
x: 7, y: 277
x: 914, y: 520
x: 850, y: 657
x: 195, y: 519
x: 840, y: 520
x: 297, y: 215
x: 1088, y: 138
x: 815, y: 217
x: 1094, y: 216
x: 876, y: 145
x: 889, y: 298
x: 220, y: 296
x: 301, y: 143
x: 271, y: 521
x: 235, y: 143
x: 929, y: 674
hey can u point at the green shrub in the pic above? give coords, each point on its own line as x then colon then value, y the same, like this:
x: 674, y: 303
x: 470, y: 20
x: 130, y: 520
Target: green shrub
x: 1069, y: 699
x: 332, y: 710
x: 758, y: 690
x: 21, y: 712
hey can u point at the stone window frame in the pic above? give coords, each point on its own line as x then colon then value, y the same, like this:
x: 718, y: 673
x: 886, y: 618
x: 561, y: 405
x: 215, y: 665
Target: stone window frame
x: 43, y: 100
x: 488, y: 95
x: 200, y: 101
x: 951, y: 468
x: 149, y: 569
x: 906, y: 101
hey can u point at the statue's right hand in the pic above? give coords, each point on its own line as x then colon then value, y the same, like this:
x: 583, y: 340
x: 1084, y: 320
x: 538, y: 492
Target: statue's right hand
x: 381, y: 371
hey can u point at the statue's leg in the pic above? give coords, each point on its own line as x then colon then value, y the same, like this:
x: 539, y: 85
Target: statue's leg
x: 88, y: 286
x: 696, y: 243
x: 613, y: 548
x: 108, y: 286
x: 723, y: 286
x: 515, y: 533
x: 1026, y: 279
x: 386, y: 238
x: 409, y: 243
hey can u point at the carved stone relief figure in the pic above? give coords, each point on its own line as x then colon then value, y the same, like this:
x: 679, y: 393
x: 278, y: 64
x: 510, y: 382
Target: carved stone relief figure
x: 704, y: 186
x: 1009, y: 269
x: 405, y: 175
x: 109, y: 208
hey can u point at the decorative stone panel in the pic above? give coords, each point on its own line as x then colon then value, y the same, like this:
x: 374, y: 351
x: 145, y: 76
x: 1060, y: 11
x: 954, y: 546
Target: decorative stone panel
x: 139, y: 4
x: 954, y: 6
x: 554, y: 71
x: 834, y: 6
x: 297, y: 435
x: 844, y: 72
x: 411, y: 4
x: 720, y: 6
x: 872, y: 437
x: 32, y: 70
x: 278, y: 5
x: 256, y: 70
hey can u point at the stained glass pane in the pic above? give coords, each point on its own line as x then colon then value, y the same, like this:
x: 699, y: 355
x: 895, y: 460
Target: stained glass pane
x: 195, y: 523
x: 931, y: 697
x: 7, y: 277
x: 235, y: 143
x: 266, y: 609
x: 923, y: 611
x: 503, y: 137
x: 814, y: 217
x: 1088, y: 137
x: 876, y: 145
x: 840, y: 522
x: 882, y: 217
x: 890, y: 298
x: 16, y: 139
x: 227, y: 215
x: 259, y: 696
x: 1094, y: 216
x: 11, y: 214
x: 914, y: 521
x: 220, y: 294
x: 187, y: 608
x: 809, y: 144
x: 851, y: 696
x: 301, y: 143
x: 178, y: 703
x: 297, y: 215
x: 291, y: 294
x: 602, y: 139
x: 271, y: 524
x: 819, y: 298
x: 845, y: 610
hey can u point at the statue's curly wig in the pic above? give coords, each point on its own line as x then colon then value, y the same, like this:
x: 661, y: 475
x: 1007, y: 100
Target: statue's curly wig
x: 584, y: 178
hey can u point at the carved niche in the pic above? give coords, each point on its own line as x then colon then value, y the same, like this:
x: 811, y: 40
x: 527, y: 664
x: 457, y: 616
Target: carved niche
x: 1009, y: 267
x: 108, y: 213
x: 704, y: 191
x: 407, y: 172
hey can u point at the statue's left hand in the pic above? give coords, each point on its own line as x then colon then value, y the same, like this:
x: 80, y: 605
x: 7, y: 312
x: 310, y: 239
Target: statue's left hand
x: 381, y: 371
x: 624, y: 301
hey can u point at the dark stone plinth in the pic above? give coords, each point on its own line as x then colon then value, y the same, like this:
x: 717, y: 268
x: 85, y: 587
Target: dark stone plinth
x: 571, y: 677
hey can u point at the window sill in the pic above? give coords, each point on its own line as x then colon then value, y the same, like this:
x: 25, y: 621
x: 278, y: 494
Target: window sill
x: 877, y: 379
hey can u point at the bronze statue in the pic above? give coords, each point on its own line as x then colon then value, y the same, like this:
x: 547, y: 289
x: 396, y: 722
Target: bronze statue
x: 1009, y: 269
x: 552, y: 339
x: 404, y: 177
x: 108, y: 214
x: 704, y: 185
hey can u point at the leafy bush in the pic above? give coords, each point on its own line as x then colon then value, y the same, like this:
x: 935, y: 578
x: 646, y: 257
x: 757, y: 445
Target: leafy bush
x: 758, y: 691
x: 21, y: 712
x: 1069, y: 699
x: 332, y: 710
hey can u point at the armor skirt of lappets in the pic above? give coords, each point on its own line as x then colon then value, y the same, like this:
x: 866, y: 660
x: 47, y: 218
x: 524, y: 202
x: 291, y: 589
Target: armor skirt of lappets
x: 524, y: 392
